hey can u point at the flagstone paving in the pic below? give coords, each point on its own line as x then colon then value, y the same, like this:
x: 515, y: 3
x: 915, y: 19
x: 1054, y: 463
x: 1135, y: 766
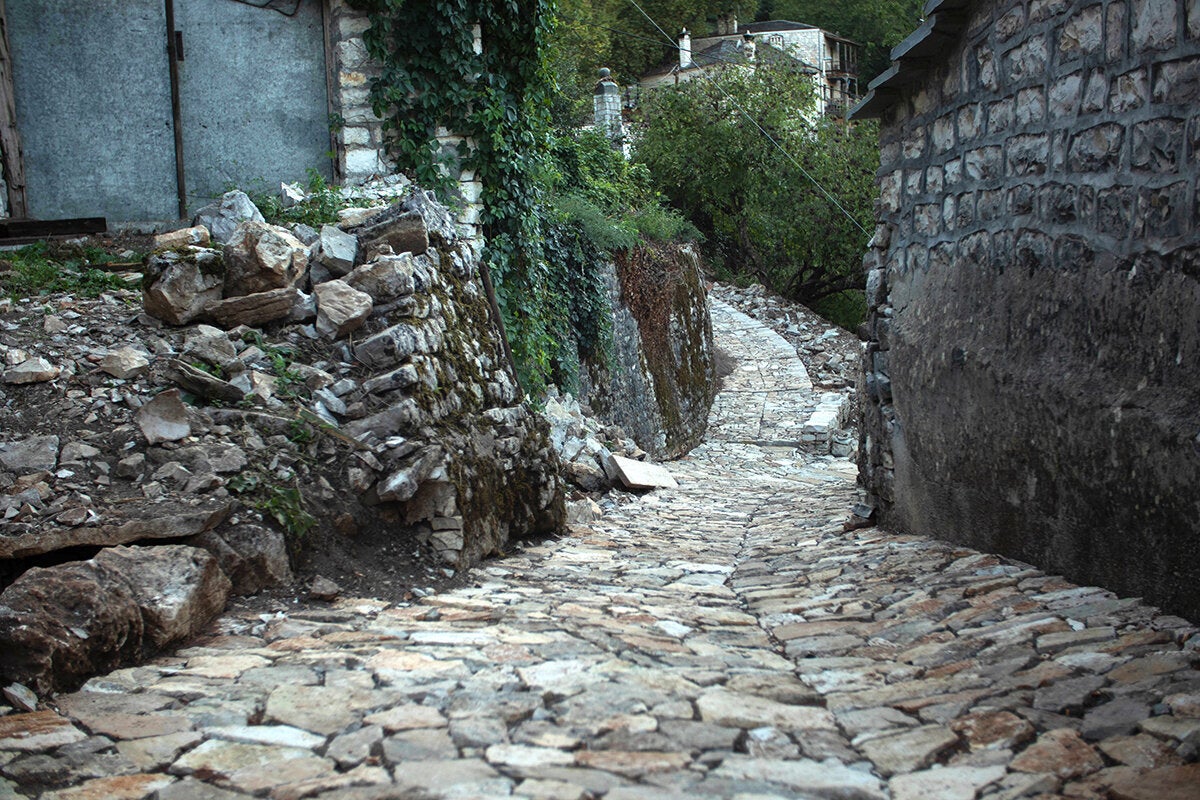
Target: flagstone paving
x: 723, y: 639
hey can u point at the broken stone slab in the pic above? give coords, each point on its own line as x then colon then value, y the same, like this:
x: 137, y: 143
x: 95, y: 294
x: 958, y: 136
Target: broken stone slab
x: 125, y: 363
x: 256, y: 309
x: 210, y: 345
x: 31, y: 454
x: 341, y: 309
x: 197, y: 235
x: 640, y: 474
x: 946, y: 783
x: 179, y: 283
x: 199, y: 382
x: 164, y: 419
x: 223, y: 216
x: 161, y: 526
x: 260, y: 257
x: 386, y: 278
x: 338, y: 249
x: 401, y: 230
x: 37, y: 730
x: 178, y: 588
x: 32, y: 370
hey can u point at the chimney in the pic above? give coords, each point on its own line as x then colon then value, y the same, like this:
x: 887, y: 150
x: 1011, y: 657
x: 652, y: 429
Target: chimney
x: 606, y: 105
x: 749, y: 48
x: 733, y: 26
x: 685, y: 49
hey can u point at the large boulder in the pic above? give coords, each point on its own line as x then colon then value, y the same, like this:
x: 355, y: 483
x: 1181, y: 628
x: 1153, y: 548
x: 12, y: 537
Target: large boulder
x: 59, y: 626
x: 260, y: 257
x: 179, y: 283
x: 177, y: 588
x: 223, y: 217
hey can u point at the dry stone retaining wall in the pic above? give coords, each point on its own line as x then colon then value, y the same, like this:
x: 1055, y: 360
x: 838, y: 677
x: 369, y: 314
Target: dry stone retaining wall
x: 1031, y: 382
x: 659, y: 380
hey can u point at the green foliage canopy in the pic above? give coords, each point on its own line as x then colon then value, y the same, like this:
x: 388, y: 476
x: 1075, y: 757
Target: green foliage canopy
x: 762, y: 212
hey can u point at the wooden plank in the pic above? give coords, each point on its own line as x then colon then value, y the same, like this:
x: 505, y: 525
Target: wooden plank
x: 10, y: 137
x: 173, y: 59
x: 38, y: 228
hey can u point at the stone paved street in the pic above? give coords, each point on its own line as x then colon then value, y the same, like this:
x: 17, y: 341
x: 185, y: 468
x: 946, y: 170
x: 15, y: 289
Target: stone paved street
x: 725, y: 639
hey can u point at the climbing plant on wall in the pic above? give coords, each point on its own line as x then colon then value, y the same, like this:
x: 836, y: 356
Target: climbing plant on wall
x: 554, y: 205
x: 436, y: 79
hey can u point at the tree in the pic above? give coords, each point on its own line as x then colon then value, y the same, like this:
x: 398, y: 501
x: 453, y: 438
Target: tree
x: 613, y: 33
x: 762, y: 209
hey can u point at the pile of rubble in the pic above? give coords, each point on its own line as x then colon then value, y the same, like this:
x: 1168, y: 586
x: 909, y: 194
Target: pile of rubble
x: 273, y: 390
x: 596, y: 458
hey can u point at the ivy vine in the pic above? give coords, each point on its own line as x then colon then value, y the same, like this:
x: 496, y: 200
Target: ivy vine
x: 497, y: 97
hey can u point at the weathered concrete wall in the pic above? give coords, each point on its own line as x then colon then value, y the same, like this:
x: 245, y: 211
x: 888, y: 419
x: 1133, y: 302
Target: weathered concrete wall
x: 1032, y: 384
x: 94, y: 108
x: 659, y: 381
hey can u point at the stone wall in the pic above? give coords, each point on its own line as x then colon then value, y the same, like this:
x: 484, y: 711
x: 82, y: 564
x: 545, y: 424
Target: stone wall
x: 659, y: 380
x: 361, y: 151
x: 1034, y: 287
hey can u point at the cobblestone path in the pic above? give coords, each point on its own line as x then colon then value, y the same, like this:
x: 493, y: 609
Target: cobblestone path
x: 725, y: 639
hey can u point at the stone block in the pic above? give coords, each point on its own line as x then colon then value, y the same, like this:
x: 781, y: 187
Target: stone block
x: 338, y: 249
x: 927, y: 219
x: 1129, y: 91
x: 1114, y: 211
x: 983, y: 163
x: 1154, y: 25
x: 914, y: 144
x: 943, y: 133
x: 934, y: 177
x: 1010, y: 23
x: 260, y: 257
x: 1045, y: 9
x: 1097, y: 149
x: 990, y: 204
x: 1064, y: 96
x: 970, y: 122
x: 986, y: 62
x: 1193, y: 19
x: 1031, y: 105
x: 1178, y: 82
x: 1163, y: 211
x: 640, y: 474
x: 1095, y: 93
x: 1082, y: 34
x: 1114, y: 31
x: 1000, y: 115
x: 1026, y: 61
x: 913, y: 183
x: 1157, y: 145
x: 1027, y: 154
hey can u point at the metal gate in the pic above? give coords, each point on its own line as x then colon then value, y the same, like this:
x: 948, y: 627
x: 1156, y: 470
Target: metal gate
x: 94, y: 89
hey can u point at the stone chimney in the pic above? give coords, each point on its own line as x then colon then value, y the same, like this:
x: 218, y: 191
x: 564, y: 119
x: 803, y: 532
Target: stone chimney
x: 606, y: 105
x: 727, y: 24
x: 749, y: 48
x: 685, y: 49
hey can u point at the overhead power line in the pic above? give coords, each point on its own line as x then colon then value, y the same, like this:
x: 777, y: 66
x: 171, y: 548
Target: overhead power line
x: 828, y: 195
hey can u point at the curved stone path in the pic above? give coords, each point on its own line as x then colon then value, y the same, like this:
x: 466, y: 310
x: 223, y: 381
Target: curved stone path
x: 725, y: 639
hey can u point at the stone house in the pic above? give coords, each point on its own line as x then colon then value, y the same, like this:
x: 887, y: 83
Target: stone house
x: 832, y: 60
x: 103, y: 114
x: 1033, y: 374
